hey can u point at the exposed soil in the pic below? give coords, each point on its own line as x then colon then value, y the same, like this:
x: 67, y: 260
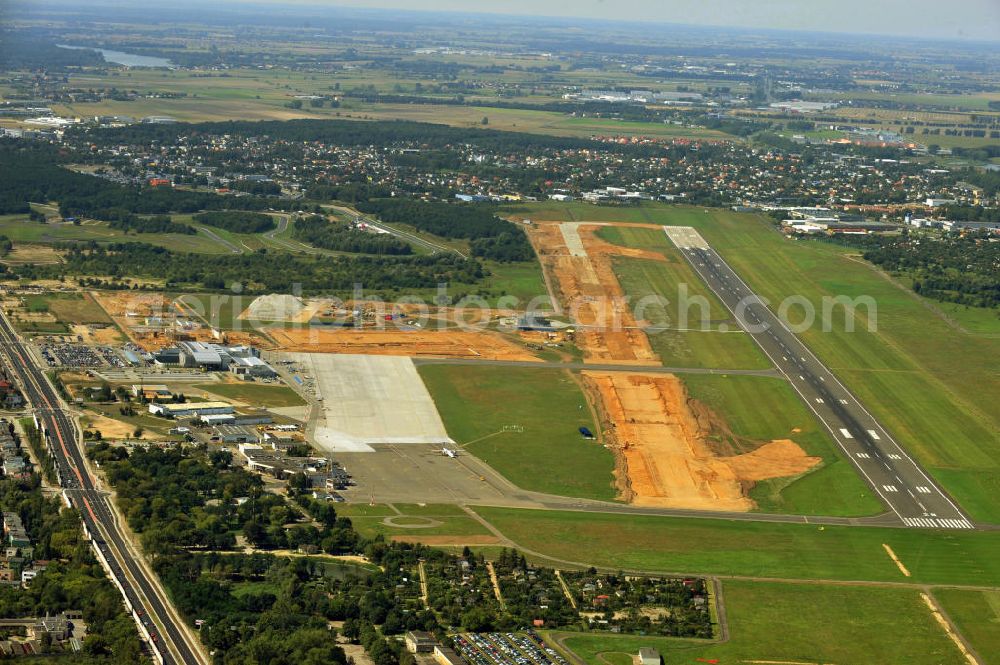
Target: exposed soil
x: 443, y: 344
x: 675, y: 453
x: 590, y: 294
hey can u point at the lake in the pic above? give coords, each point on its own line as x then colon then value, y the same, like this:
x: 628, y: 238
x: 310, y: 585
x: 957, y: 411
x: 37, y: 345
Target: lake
x: 127, y: 59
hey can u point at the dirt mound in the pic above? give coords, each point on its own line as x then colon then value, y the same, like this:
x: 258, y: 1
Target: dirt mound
x: 415, y: 344
x: 274, y: 307
x: 669, y: 454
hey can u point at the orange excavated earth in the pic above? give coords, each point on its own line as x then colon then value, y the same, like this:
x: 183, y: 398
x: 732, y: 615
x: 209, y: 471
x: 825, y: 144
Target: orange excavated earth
x: 665, y: 458
x: 579, y: 263
x: 438, y: 344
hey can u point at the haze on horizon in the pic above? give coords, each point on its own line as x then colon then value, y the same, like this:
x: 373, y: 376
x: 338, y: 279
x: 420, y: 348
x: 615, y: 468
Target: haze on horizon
x: 958, y: 19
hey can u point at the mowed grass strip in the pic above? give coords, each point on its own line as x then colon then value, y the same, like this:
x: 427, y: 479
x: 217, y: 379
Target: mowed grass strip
x: 412, y: 520
x: 752, y: 549
x: 976, y: 614
x: 256, y: 394
x: 762, y: 409
x: 799, y: 623
x: 547, y: 405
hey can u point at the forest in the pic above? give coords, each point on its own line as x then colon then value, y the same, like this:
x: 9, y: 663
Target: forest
x: 492, y: 237
x: 315, y: 230
x: 237, y: 221
x: 33, y: 173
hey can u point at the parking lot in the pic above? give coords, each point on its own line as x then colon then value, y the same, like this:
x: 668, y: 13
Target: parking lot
x: 71, y: 355
x: 506, y: 649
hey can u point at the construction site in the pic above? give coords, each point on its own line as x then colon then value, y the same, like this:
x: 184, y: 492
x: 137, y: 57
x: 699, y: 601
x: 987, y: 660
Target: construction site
x: 482, y: 345
x: 666, y: 445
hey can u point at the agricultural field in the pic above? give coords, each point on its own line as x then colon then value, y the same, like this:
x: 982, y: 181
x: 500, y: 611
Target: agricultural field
x: 802, y: 623
x: 976, y: 613
x: 763, y: 409
x: 919, y: 373
x: 750, y: 549
x: 541, y: 410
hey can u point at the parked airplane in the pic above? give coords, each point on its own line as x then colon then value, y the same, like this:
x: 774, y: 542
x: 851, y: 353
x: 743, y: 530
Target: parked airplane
x: 449, y: 452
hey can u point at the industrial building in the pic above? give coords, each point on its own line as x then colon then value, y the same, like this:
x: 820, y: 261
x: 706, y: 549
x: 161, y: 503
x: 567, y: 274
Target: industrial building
x: 243, y: 361
x: 190, y: 409
x: 419, y: 641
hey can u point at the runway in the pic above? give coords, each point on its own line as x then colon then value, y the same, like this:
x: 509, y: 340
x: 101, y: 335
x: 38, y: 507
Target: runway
x: 903, y: 486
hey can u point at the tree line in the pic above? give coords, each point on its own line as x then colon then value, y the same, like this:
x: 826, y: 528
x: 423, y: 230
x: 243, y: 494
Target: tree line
x: 318, y: 232
x: 490, y: 236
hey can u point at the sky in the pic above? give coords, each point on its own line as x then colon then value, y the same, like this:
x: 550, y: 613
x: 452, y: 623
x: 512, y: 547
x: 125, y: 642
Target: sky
x: 939, y: 19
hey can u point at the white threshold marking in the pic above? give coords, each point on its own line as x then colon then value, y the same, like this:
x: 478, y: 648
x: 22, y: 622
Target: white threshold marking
x: 845, y: 433
x: 890, y: 488
x: 874, y: 434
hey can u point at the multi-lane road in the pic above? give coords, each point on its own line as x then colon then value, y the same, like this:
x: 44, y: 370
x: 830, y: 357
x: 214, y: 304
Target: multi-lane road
x: 903, y: 486
x: 169, y: 639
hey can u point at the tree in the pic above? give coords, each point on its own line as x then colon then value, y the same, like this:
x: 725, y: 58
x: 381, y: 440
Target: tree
x: 484, y: 121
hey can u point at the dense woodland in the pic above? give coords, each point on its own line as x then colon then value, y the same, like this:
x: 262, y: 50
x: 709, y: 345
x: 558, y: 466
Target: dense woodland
x: 317, y: 231
x: 34, y: 173
x: 490, y: 236
x: 237, y: 221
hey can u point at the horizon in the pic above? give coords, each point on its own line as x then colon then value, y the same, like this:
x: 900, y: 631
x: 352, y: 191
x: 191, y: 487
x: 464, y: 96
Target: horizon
x: 973, y: 21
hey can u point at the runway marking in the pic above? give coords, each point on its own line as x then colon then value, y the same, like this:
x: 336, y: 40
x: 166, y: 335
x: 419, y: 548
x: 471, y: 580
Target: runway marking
x: 802, y: 377
x: 843, y: 401
x: 890, y: 488
x: 923, y: 490
x: 874, y: 435
x: 895, y: 456
x: 863, y: 455
x: 819, y: 400
x: 846, y: 434
x: 895, y: 560
x: 949, y: 631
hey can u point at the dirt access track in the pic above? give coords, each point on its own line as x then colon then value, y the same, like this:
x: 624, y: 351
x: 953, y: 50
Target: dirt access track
x: 675, y: 453
x: 480, y: 345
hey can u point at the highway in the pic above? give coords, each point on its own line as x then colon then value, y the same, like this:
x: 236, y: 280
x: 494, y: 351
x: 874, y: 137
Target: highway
x: 891, y: 473
x: 170, y: 641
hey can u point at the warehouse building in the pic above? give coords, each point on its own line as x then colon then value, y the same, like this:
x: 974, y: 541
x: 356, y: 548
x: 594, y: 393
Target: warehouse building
x: 190, y: 409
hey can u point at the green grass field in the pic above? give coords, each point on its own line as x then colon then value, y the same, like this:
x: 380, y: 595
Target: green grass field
x: 256, y: 394
x: 676, y: 301
x: 924, y: 378
x: 762, y: 409
x: 798, y: 623
x: 434, y: 520
x: 977, y: 616
x: 549, y: 455
x: 752, y: 549
x: 68, y: 308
